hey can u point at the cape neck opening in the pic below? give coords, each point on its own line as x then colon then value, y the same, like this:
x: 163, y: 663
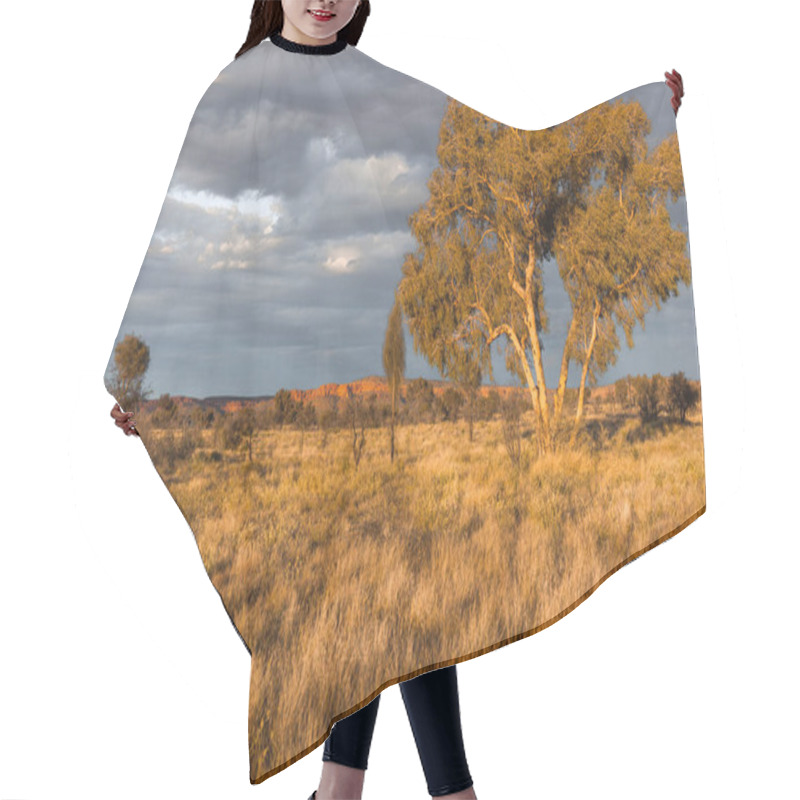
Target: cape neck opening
x: 308, y: 49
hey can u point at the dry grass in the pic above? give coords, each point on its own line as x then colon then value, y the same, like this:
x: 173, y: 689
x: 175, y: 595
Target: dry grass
x: 343, y: 581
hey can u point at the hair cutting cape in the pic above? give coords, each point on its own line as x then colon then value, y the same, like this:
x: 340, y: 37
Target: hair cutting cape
x: 419, y: 381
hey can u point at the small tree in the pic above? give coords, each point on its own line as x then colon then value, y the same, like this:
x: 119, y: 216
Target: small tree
x: 451, y: 402
x: 681, y: 395
x: 245, y: 420
x: 165, y: 412
x: 649, y: 395
x: 131, y: 360
x: 237, y: 427
x: 356, y: 420
x: 285, y: 407
x: 622, y: 391
x: 306, y: 419
x: 420, y: 399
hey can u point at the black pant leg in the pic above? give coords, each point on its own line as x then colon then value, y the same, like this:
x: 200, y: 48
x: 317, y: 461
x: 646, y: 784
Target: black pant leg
x: 351, y: 737
x: 433, y: 710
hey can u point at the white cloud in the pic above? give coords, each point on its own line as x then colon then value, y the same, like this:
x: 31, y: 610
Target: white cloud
x: 342, y: 259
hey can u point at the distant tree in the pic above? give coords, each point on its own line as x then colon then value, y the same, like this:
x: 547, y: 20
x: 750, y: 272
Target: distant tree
x: 245, y: 420
x: 285, y: 407
x: 305, y: 418
x: 354, y: 412
x: 394, y: 364
x: 489, y: 405
x: 236, y: 428
x: 451, y: 402
x: 263, y: 414
x: 420, y: 398
x: 648, y: 394
x: 131, y: 361
x: 681, y: 395
x: 622, y: 391
x: 165, y: 413
x: 201, y: 417
x: 327, y: 422
x: 226, y: 435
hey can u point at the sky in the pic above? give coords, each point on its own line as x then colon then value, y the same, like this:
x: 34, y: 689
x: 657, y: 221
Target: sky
x: 277, y: 251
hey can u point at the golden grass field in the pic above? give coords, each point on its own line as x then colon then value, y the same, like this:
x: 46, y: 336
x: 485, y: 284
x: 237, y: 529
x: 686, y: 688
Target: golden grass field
x: 344, y: 581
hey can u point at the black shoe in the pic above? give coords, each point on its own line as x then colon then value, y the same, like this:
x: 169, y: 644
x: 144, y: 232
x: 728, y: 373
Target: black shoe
x: 313, y: 795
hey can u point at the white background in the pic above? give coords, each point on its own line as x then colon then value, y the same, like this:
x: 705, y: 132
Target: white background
x: 120, y: 673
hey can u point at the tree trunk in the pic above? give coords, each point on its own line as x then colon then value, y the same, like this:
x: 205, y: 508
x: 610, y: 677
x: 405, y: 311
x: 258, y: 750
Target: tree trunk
x: 584, y: 373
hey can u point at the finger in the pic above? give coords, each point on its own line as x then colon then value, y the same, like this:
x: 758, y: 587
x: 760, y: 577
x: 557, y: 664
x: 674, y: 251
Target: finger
x: 674, y: 79
x: 676, y: 94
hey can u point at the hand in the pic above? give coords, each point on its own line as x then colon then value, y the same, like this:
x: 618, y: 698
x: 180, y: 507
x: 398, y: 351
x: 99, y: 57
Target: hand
x: 675, y: 82
x: 124, y: 420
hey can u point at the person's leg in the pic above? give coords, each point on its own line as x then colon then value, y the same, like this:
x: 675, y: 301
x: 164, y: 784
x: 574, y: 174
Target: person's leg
x: 432, y: 705
x: 346, y: 753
